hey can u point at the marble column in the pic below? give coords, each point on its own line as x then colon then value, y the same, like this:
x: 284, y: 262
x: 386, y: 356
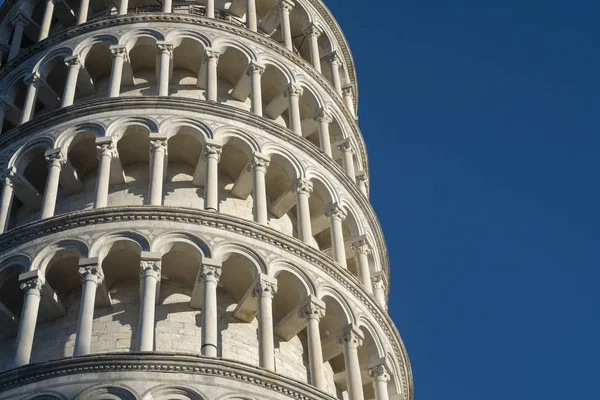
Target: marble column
x: 210, y: 8
x: 33, y: 83
x: 313, y: 313
x: 165, y: 51
x: 251, y: 20
x: 361, y: 255
x: 31, y: 283
x: 47, y: 20
x: 158, y: 152
x: 293, y: 92
x: 119, y: 57
x: 379, y: 283
x: 361, y: 182
x: 312, y: 33
x: 303, y: 189
x: 323, y: 119
x: 210, y: 278
x: 345, y: 147
x: 351, y: 340
x: 265, y: 289
x: 211, y: 58
x: 380, y: 379
x: 285, y: 7
x: 6, y: 200
x: 348, y: 94
x: 335, y: 63
x: 106, y: 149
x: 19, y: 22
x: 259, y: 165
x: 167, y: 6
x: 212, y: 154
x: 73, y: 66
x: 337, y: 215
x: 84, y: 6
x: 149, y: 280
x: 91, y: 276
x: 255, y: 71
x: 123, y: 7
x: 56, y: 161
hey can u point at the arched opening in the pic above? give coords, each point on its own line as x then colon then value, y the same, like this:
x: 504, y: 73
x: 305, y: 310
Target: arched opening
x: 281, y: 198
x: 188, y: 56
x: 134, y: 155
x: 15, y: 99
x: 309, y: 106
x: 11, y: 305
x: 235, y: 179
x: 234, y: 84
x: 143, y: 60
x: 53, y: 75
x: 97, y: 65
x: 275, y: 104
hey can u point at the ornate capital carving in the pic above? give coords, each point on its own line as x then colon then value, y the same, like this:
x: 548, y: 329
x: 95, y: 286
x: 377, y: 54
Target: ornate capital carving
x: 303, y: 186
x: 55, y: 157
x: 119, y: 51
x: 379, y: 373
x: 312, y: 30
x: 336, y: 212
x: 333, y: 59
x: 348, y: 91
x: 345, y: 145
x: 73, y: 62
x: 285, y: 5
x: 91, y: 271
x: 211, y: 272
x: 264, y: 287
x: 107, y: 148
x: 323, y: 115
x: 19, y: 19
x: 255, y: 68
x: 361, y: 247
x: 293, y: 90
x: 32, y: 283
x: 164, y: 48
x: 211, y: 54
x: 378, y: 281
x: 351, y: 337
x: 259, y: 163
x: 150, y: 268
x: 158, y: 145
x: 33, y: 80
x: 9, y: 177
x: 312, y: 310
x: 213, y: 150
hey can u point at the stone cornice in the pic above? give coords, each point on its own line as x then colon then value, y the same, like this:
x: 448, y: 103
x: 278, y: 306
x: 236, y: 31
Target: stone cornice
x: 101, y: 23
x: 82, y: 109
x: 161, y: 363
x: 64, y: 222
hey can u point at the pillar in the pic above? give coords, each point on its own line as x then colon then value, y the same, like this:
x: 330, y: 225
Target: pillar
x: 350, y: 341
x: 149, y: 280
x: 361, y: 182
x: 334, y: 64
x: 265, y: 289
x: 46, y: 20
x: 91, y: 277
x: 211, y: 58
x: 285, y: 7
x: 55, y: 161
x: 259, y: 165
x: 210, y: 8
x: 123, y: 6
x: 165, y: 50
x: 212, y: 154
x: 361, y: 254
x: 73, y: 65
x: 33, y: 83
x: 303, y: 189
x: 119, y: 57
x: 32, y: 284
x: 323, y: 119
x: 293, y: 93
x: 380, y: 378
x: 255, y: 71
x: 345, y: 147
x: 348, y: 94
x: 210, y: 278
x: 158, y: 151
x: 19, y: 22
x: 379, y: 288
x: 7, y: 199
x: 312, y: 33
x: 313, y: 313
x: 105, y: 148
x: 84, y: 6
x: 337, y: 215
x: 251, y: 20
x: 167, y: 6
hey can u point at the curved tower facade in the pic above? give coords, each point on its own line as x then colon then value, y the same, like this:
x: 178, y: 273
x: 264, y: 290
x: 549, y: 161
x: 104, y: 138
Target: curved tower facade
x: 184, y: 208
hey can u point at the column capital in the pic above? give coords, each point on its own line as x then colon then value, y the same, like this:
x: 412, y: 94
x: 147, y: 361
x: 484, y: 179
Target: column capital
x: 158, y: 143
x: 303, y: 186
x: 348, y: 90
x: 333, y: 58
x: 259, y: 162
x: 264, y: 286
x: 73, y: 62
x: 119, y: 51
x: 379, y: 280
x: 379, y: 373
x: 164, y: 47
x: 361, y: 246
x: 19, y: 19
x: 106, y: 145
x: 350, y: 336
x: 9, y: 177
x: 55, y: 157
x: 293, y: 89
x: 255, y: 68
x: 89, y: 269
x: 285, y: 5
x: 150, y: 267
x: 312, y: 29
x: 33, y: 79
x: 32, y: 280
x: 211, y: 54
x: 312, y: 309
x: 322, y: 115
x: 344, y: 145
x: 361, y: 176
x: 212, y: 149
x: 335, y: 211
x: 210, y: 272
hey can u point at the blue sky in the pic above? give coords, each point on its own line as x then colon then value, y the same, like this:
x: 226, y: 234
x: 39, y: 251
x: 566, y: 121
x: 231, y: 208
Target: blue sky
x: 481, y: 119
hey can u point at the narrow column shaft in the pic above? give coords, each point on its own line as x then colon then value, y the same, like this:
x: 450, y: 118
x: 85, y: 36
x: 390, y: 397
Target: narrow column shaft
x: 285, y: 8
x: 379, y: 289
x: 211, y: 58
x: 212, y: 153
x: 313, y: 313
x: 84, y: 6
x: 361, y: 182
x: 210, y: 8
x: 336, y: 216
x: 46, y: 20
x: 351, y: 342
x: 167, y: 6
x: 348, y: 94
x: 149, y: 278
x: 265, y: 290
x: 323, y: 120
x: 55, y: 161
x: 15, y: 45
x: 312, y: 33
x: 123, y: 5
x: 91, y: 276
x: 348, y: 158
x: 31, y: 305
x: 6, y: 201
x: 334, y: 63
x: 73, y: 65
x: 259, y: 167
x: 293, y: 93
x: 210, y: 279
x: 33, y: 83
x: 361, y: 254
x: 303, y: 189
x: 251, y: 21
x: 105, y: 152
x: 380, y: 379
x: 164, y: 67
x: 158, y: 150
x: 255, y: 71
x: 119, y: 56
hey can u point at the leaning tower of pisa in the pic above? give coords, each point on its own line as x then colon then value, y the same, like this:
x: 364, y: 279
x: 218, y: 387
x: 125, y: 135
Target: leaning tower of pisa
x: 184, y: 210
